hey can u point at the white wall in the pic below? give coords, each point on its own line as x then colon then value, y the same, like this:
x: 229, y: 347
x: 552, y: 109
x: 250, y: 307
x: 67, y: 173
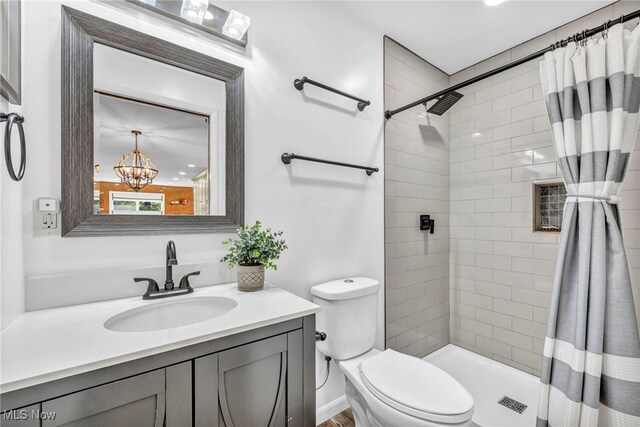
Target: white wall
x: 11, y: 270
x: 332, y: 217
x: 11, y: 261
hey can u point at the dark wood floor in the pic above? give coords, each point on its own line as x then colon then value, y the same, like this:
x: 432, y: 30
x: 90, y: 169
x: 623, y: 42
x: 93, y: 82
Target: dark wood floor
x: 343, y: 419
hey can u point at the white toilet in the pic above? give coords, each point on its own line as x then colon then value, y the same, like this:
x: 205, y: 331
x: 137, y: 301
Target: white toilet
x: 384, y: 389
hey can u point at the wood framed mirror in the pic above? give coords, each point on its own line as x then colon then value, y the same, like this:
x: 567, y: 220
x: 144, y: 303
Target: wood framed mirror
x: 152, y: 134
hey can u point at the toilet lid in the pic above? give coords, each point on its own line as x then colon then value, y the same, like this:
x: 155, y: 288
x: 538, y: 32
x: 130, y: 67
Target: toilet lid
x: 416, y: 387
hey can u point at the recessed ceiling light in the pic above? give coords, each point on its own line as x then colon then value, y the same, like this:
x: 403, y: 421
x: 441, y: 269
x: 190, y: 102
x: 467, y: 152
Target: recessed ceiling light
x: 191, y: 166
x: 493, y: 2
x: 476, y: 134
x: 182, y: 173
x: 175, y: 179
x: 208, y: 16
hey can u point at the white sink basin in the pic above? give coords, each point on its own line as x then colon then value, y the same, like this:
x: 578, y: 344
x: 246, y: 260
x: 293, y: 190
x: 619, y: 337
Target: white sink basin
x: 170, y: 314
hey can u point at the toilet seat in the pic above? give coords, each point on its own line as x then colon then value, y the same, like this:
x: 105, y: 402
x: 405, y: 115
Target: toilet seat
x: 416, y: 387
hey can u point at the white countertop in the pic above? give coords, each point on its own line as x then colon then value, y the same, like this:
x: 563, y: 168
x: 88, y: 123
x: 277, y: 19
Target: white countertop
x: 47, y: 345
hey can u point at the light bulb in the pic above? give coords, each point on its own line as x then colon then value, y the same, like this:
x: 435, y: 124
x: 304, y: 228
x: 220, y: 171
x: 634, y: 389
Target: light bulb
x: 194, y: 10
x: 236, y: 25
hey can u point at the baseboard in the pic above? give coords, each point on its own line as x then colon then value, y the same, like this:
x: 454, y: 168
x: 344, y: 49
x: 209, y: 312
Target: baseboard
x: 332, y: 408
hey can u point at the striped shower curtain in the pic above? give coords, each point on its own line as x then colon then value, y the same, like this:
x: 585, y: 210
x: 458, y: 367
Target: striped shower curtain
x: 591, y: 365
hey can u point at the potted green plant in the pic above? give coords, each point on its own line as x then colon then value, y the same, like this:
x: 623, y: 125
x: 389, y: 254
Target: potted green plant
x: 253, y: 251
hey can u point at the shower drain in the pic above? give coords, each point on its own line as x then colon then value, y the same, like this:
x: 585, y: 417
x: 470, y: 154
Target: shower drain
x: 512, y: 404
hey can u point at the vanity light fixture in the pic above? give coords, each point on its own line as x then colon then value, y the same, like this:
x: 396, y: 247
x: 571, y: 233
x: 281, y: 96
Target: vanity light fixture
x: 231, y: 26
x: 135, y: 168
x: 493, y: 2
x: 236, y: 25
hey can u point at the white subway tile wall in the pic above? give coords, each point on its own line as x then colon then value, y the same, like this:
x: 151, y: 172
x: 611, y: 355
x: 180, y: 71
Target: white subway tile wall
x: 416, y: 182
x: 501, y: 272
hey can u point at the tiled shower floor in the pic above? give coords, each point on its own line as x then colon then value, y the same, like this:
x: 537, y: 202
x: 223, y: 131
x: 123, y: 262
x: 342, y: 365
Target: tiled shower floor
x: 488, y: 381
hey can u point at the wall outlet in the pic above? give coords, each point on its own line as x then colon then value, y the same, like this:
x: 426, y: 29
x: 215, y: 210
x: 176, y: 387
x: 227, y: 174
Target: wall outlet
x: 49, y: 221
x: 46, y: 217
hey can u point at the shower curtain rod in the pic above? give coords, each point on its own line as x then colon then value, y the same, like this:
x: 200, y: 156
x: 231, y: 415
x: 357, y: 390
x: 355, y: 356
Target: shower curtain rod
x: 577, y: 37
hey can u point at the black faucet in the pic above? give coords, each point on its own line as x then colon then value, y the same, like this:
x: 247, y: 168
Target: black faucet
x: 171, y: 261
x: 154, y: 292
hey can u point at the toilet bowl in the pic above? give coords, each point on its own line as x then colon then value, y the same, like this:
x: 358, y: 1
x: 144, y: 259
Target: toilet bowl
x: 387, y: 389
x: 383, y: 388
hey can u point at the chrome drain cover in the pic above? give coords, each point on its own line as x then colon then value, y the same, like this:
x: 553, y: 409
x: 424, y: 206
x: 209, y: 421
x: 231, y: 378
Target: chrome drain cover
x: 512, y: 404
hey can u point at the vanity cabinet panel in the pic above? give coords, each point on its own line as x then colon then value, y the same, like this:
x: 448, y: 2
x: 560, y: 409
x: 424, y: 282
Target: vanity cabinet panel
x: 136, y: 401
x: 247, y: 385
x: 179, y: 395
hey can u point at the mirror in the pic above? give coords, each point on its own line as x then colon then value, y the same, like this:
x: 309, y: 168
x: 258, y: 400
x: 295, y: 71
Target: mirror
x: 174, y: 119
x: 152, y: 134
x: 10, y: 50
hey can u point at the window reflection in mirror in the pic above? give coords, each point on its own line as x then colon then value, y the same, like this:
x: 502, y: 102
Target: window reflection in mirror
x: 158, y: 138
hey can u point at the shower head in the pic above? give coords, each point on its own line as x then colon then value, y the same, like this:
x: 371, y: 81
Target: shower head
x: 445, y: 102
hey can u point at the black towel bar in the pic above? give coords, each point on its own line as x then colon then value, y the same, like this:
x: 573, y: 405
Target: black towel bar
x: 12, y: 118
x: 288, y: 157
x: 299, y: 84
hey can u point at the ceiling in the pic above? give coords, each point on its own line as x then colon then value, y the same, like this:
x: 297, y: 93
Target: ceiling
x: 172, y: 139
x: 453, y: 35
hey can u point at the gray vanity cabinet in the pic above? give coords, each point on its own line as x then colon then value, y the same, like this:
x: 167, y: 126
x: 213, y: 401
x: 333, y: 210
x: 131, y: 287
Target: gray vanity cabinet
x: 135, y: 401
x: 263, y: 377
x: 249, y: 385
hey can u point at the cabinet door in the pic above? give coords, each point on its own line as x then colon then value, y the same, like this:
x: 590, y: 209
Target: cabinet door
x: 243, y: 387
x: 136, y: 401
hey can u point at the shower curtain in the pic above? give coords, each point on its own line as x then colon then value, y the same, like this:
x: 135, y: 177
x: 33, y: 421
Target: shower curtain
x: 591, y: 364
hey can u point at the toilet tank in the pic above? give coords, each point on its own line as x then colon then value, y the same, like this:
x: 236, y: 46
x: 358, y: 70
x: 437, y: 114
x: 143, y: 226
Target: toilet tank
x: 349, y: 310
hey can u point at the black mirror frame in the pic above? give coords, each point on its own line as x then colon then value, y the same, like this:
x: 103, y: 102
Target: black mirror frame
x: 79, y: 33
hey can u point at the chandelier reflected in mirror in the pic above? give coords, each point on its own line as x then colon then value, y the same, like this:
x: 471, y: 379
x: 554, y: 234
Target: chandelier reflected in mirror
x: 135, y: 168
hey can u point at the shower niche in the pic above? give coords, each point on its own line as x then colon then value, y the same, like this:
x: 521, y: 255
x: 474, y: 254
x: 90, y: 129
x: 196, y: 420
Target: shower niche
x: 548, y: 203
